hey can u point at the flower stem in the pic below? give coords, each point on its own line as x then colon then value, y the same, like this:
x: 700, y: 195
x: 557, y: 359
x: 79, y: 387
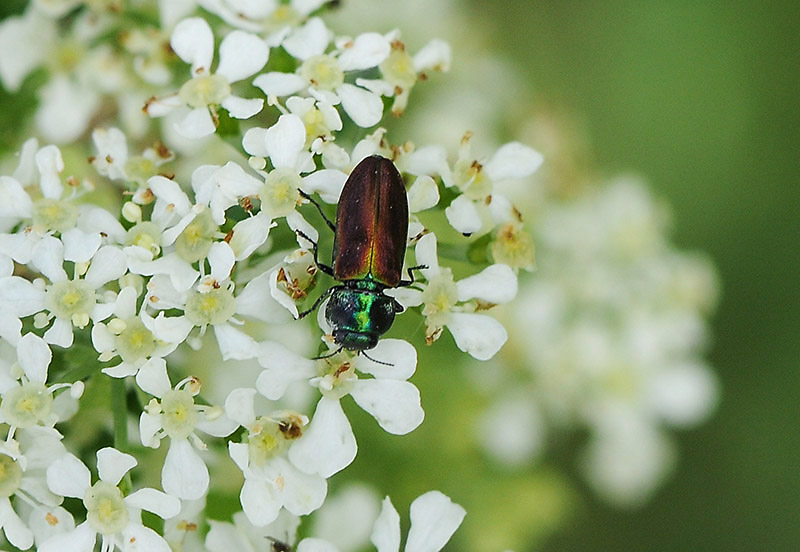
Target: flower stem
x: 120, y: 410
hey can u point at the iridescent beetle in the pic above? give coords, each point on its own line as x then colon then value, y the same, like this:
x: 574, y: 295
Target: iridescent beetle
x: 368, y: 249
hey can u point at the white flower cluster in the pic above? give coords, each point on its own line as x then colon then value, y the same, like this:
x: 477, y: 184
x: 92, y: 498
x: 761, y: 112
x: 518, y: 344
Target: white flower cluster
x: 614, y: 324
x: 223, y: 247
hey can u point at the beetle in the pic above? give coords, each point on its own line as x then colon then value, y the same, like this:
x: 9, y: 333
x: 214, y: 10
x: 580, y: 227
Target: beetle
x: 369, y: 245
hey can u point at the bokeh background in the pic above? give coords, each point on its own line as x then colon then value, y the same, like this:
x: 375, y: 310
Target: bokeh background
x: 700, y: 99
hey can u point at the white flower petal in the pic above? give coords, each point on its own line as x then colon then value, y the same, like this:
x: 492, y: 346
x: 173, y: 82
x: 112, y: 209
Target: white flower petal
x: 242, y: 108
x: 60, y: 333
x: 363, y: 107
x: 311, y: 544
x: 425, y: 253
x: 159, y: 107
x: 221, y: 259
x: 513, y: 160
x: 280, y: 297
x: 283, y: 367
x: 386, y: 531
x: 239, y: 406
x: 256, y: 300
x: 241, y: 54
x: 366, y: 51
x: 477, y: 334
x: 196, y: 124
x: 259, y: 501
x: 399, y: 356
x: 152, y: 377
x: 328, y: 445
x: 394, y: 404
x: 254, y: 140
x: 112, y: 464
x: 80, y: 539
x: 328, y: 183
x: 140, y: 538
x: 436, y: 54
x: 50, y: 164
x: 280, y: 84
x: 153, y: 500
x: 494, y: 284
x: 170, y: 194
x: 185, y: 475
x: 462, y: 214
x: 309, y: 40
x: 427, y: 160
x: 172, y: 329
x: 48, y: 257
x: 193, y: 42
x: 80, y: 246
x: 34, y: 357
x: 423, y: 194
x: 284, y: 140
x: 109, y: 263
x: 149, y: 427
x: 301, y: 493
x: 16, y: 203
x: 67, y: 476
x: 434, y: 519
x: 48, y: 522
x: 16, y: 531
x: 249, y: 234
x: 217, y: 425
x: 234, y: 344
x: 20, y: 297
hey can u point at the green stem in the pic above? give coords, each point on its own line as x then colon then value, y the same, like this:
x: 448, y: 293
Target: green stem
x: 120, y: 410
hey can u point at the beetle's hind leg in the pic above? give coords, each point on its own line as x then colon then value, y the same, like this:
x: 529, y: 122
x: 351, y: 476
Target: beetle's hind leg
x: 404, y: 283
x: 315, y: 250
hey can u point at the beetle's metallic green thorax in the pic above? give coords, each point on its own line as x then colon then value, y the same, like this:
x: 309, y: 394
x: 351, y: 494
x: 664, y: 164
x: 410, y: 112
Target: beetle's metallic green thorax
x: 360, y: 313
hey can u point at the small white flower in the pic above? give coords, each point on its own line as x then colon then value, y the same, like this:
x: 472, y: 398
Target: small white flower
x: 210, y: 303
x: 322, y: 74
x: 434, y: 519
x: 66, y: 302
x: 453, y: 304
x: 82, y: 228
x: 241, y: 55
x: 113, y: 160
x: 243, y: 535
x: 23, y: 461
x: 271, y: 479
x: 479, y: 183
x: 128, y: 336
x: 176, y: 416
x: 284, y: 145
x: 329, y: 444
x: 27, y: 400
x: 109, y: 514
x: 25, y: 42
x: 271, y: 16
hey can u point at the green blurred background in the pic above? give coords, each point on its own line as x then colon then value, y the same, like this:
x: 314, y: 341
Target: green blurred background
x: 700, y: 98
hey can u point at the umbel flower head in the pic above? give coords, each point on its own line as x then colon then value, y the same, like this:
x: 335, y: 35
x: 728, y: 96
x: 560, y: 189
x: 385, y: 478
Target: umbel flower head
x: 153, y: 270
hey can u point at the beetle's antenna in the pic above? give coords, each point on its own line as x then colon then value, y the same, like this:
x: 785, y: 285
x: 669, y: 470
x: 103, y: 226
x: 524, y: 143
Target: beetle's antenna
x: 375, y: 360
x: 331, y: 225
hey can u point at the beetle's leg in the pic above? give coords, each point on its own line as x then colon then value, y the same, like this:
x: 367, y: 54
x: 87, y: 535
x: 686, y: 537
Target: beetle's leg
x: 404, y: 283
x: 319, y: 300
x: 331, y: 225
x: 323, y: 267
